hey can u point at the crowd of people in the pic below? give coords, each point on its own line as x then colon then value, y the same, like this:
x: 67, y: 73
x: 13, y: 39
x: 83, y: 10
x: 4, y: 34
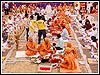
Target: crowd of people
x: 48, y: 22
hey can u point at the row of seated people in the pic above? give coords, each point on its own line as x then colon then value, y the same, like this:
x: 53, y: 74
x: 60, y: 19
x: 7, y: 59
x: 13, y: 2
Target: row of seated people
x: 44, y: 47
x: 67, y: 60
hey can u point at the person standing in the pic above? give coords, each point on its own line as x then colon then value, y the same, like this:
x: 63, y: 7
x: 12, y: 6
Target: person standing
x: 48, y: 11
x: 32, y: 26
x: 6, y: 8
x: 41, y: 29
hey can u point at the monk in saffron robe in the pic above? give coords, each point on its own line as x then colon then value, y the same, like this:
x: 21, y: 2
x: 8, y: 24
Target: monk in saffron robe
x: 30, y: 47
x: 44, y: 47
x: 70, y: 57
x: 69, y: 45
x: 71, y: 8
x: 69, y: 60
x: 59, y: 7
x: 64, y: 6
x: 61, y: 13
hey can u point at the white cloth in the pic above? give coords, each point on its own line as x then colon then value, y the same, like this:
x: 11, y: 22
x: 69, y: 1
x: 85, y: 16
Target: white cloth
x: 10, y: 22
x: 38, y: 10
x: 42, y: 11
x: 64, y: 34
x: 89, y: 6
x: 60, y: 43
x: 68, y: 13
x: 94, y: 33
x: 48, y: 9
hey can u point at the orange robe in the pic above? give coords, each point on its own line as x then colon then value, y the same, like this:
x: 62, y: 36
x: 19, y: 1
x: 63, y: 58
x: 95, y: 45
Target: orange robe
x: 61, y: 13
x: 30, y: 47
x: 69, y: 62
x: 71, y: 8
x: 68, y: 19
x: 72, y: 49
x: 44, y: 47
x: 69, y: 59
x: 54, y: 23
x: 64, y: 7
x: 59, y: 7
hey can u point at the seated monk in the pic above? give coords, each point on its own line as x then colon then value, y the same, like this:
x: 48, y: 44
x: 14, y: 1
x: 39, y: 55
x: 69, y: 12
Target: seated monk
x: 59, y: 7
x: 64, y: 7
x: 71, y: 8
x: 44, y: 47
x: 69, y: 45
x: 69, y: 60
x: 61, y: 13
x: 30, y: 47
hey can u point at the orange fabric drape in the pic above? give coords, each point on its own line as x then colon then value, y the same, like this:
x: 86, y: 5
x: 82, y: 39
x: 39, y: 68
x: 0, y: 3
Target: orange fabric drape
x: 68, y: 29
x: 61, y: 13
x: 30, y: 47
x: 72, y: 49
x: 44, y: 47
x: 70, y: 57
x: 59, y: 7
x: 69, y: 62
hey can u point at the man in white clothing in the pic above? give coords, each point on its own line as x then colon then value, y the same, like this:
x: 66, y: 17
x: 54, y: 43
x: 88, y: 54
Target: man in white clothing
x: 60, y: 42
x: 48, y: 10
x: 10, y: 21
x: 42, y: 12
x: 64, y: 33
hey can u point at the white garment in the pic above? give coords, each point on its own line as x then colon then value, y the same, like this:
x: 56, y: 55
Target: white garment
x: 60, y: 43
x: 48, y: 9
x: 21, y: 15
x: 17, y: 21
x: 77, y: 7
x: 54, y: 12
x: 94, y: 33
x: 42, y: 11
x: 68, y: 13
x: 65, y: 34
x: 33, y: 11
x: 10, y: 22
x: 77, y: 10
x: 89, y: 6
x: 4, y: 44
x: 35, y: 17
x: 38, y: 10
